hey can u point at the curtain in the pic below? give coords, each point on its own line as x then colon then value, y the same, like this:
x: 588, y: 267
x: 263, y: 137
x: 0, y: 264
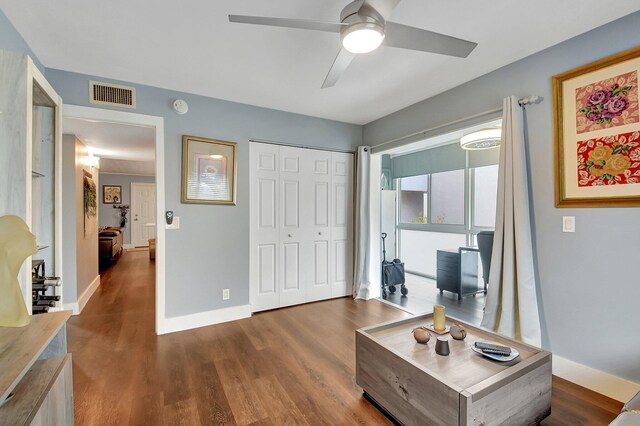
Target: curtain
x: 362, y: 260
x: 512, y: 307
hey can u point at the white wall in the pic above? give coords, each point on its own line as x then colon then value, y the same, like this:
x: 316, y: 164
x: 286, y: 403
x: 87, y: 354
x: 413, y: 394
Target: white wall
x: 86, y: 245
x: 80, y: 253
x: 70, y: 273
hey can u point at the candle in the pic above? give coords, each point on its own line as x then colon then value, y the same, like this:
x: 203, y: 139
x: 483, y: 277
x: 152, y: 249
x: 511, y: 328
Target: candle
x: 439, y: 320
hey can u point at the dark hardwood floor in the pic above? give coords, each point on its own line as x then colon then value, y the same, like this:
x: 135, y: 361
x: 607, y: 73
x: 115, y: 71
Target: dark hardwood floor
x: 288, y: 366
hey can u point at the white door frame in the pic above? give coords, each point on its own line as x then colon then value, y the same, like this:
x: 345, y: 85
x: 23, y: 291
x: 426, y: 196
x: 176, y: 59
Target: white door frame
x: 133, y: 185
x: 156, y: 123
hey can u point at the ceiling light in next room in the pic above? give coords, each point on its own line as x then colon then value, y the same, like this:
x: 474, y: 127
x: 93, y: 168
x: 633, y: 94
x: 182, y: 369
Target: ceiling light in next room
x: 363, y: 37
x: 93, y: 161
x: 216, y: 156
x: 481, y: 139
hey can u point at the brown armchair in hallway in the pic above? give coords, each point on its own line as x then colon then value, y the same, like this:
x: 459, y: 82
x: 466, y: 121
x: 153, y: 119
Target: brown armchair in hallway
x: 110, y: 242
x: 485, y: 246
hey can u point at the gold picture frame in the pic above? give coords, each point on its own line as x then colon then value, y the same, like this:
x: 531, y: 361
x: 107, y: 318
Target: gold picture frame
x: 597, y: 133
x: 209, y: 171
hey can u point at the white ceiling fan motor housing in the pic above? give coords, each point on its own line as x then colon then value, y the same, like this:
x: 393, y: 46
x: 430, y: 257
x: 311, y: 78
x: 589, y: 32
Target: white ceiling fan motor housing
x: 365, y: 30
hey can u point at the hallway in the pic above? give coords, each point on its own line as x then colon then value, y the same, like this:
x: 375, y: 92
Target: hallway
x: 113, y: 343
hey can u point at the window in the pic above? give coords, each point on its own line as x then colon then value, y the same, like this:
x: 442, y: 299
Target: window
x: 485, y: 194
x: 447, y: 198
x: 414, y: 204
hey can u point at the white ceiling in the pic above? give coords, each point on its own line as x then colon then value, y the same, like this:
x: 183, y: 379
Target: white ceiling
x: 191, y: 47
x: 122, y: 148
x: 127, y: 167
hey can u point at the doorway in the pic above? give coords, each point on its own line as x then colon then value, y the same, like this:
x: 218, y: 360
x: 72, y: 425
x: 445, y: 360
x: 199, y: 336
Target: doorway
x: 432, y: 198
x: 153, y: 165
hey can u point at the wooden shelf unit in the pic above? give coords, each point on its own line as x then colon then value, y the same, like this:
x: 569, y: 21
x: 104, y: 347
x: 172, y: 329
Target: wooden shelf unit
x: 35, y: 369
x: 31, y: 131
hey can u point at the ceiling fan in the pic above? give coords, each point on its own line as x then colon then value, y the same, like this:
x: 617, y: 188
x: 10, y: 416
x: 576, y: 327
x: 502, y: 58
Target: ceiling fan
x: 363, y: 28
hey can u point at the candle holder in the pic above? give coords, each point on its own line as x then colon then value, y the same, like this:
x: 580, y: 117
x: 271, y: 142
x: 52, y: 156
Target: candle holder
x: 439, y: 318
x: 442, y: 346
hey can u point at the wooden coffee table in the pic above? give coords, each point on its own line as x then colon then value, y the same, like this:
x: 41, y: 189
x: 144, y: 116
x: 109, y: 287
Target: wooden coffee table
x: 418, y: 387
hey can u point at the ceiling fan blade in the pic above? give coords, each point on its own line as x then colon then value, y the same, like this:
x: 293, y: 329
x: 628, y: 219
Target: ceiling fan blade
x: 301, y: 24
x: 383, y: 7
x: 405, y: 37
x: 340, y: 64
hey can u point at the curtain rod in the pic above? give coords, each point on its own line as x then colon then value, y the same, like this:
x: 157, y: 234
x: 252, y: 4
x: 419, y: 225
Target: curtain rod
x: 293, y: 145
x: 530, y: 100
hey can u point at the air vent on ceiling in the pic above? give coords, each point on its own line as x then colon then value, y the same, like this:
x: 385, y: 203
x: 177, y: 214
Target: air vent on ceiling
x: 112, y: 94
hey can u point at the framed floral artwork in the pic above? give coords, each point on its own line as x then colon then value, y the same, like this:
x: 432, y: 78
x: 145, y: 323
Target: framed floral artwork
x: 208, y: 171
x: 597, y: 133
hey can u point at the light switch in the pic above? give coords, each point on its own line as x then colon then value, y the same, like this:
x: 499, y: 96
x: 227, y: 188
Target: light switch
x: 175, y: 224
x: 568, y: 224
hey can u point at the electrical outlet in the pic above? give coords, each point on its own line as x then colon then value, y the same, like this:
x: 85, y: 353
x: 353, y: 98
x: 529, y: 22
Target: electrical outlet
x: 225, y: 294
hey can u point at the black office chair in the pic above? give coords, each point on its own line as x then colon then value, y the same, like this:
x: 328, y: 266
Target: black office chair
x: 485, y: 245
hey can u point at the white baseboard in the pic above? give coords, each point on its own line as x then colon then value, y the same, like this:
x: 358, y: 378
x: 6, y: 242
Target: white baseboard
x: 202, y: 319
x: 72, y: 307
x: 598, y: 381
x: 128, y: 246
x: 86, y: 295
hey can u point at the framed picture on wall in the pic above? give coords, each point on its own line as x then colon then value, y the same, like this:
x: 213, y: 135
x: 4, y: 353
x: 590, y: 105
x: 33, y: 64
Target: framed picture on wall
x: 597, y: 133
x: 208, y: 171
x: 111, y: 194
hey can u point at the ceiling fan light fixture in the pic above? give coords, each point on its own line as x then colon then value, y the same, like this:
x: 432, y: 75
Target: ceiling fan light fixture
x: 481, y: 139
x: 363, y: 37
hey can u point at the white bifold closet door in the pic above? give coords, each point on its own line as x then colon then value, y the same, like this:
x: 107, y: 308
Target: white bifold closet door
x: 301, y: 225
x: 342, y: 224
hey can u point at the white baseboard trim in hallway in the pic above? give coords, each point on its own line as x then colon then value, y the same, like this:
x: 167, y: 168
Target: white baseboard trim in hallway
x: 128, y: 246
x: 72, y: 307
x: 78, y: 306
x: 598, y: 381
x: 202, y: 319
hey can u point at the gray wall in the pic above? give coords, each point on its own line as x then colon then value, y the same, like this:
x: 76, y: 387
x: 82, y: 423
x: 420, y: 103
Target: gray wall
x: 589, y: 288
x: 110, y: 216
x: 211, y: 250
x: 86, y: 245
x: 70, y: 275
x: 10, y: 39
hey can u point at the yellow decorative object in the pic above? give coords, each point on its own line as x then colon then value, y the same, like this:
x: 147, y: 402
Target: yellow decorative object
x: 16, y: 244
x: 439, y: 319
